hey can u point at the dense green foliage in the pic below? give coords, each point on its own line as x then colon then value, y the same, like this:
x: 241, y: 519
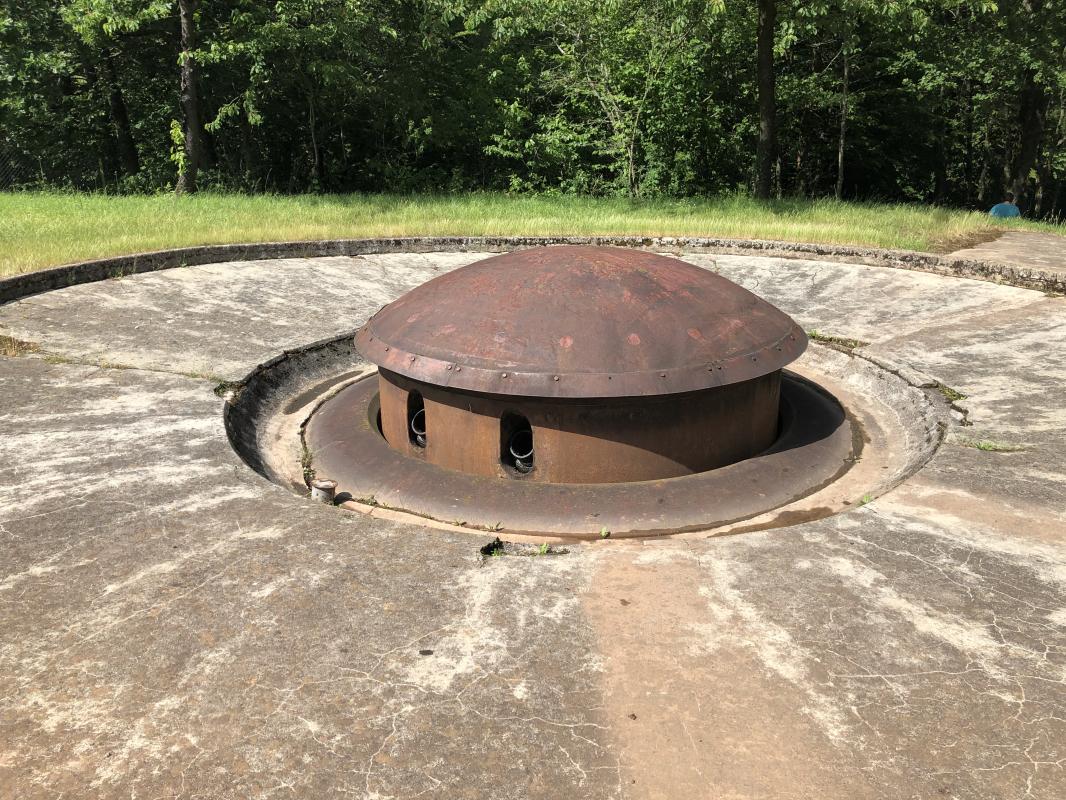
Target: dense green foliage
x: 949, y: 101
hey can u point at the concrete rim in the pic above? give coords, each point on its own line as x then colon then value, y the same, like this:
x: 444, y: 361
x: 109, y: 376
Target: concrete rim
x: 26, y: 284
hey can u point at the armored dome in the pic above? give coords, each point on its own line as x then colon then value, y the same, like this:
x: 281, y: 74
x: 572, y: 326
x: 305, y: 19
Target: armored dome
x: 573, y: 322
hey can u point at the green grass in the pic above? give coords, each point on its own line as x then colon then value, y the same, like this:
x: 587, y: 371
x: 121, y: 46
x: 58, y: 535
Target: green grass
x: 991, y: 445
x: 39, y: 230
x: 840, y: 342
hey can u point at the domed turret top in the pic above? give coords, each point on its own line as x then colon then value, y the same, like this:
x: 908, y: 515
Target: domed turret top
x: 577, y: 322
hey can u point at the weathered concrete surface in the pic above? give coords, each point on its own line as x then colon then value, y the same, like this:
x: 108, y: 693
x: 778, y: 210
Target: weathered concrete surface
x: 1040, y: 251
x: 171, y: 625
x: 218, y: 320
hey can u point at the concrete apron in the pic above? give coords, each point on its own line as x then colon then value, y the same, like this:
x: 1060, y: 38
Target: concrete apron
x: 172, y: 624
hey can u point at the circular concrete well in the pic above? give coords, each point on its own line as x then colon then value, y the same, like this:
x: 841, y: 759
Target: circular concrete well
x: 584, y: 392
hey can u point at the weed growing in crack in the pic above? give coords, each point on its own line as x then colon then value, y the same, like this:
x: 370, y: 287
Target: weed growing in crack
x: 951, y: 395
x: 99, y: 363
x: 228, y: 389
x: 837, y: 342
x: 306, y: 459
x: 991, y: 445
x: 493, y: 548
x: 498, y: 548
x: 16, y: 348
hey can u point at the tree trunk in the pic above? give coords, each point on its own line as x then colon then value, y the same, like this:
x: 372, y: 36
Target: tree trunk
x: 120, y: 118
x: 839, y: 194
x: 190, y: 101
x: 1031, y: 111
x: 1048, y: 191
x: 316, y: 154
x: 767, y: 148
x: 1043, y: 188
x: 982, y: 182
x: 249, y: 162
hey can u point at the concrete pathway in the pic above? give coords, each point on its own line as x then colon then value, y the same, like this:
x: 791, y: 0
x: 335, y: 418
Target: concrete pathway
x: 172, y: 625
x: 1043, y: 251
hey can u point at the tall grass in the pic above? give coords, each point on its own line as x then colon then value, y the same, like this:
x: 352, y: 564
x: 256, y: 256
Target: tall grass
x: 38, y: 230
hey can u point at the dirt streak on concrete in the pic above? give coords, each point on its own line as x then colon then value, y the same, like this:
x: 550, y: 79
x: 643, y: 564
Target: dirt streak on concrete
x: 693, y: 711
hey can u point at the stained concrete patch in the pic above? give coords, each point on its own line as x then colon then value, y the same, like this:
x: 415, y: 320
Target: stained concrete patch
x: 696, y: 713
x: 171, y: 624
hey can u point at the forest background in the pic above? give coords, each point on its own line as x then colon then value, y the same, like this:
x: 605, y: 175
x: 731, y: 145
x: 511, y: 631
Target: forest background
x: 939, y: 101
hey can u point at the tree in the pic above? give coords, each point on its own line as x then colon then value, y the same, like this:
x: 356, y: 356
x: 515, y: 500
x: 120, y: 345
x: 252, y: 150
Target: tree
x: 100, y: 23
x: 948, y: 101
x: 192, y: 134
x: 767, y: 94
x: 120, y: 116
x: 1036, y: 30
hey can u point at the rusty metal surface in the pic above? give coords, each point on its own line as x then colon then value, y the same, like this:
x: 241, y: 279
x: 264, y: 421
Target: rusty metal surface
x: 602, y: 440
x: 808, y: 455
x: 569, y: 321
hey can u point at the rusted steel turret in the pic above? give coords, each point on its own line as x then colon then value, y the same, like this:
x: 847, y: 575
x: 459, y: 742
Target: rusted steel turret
x: 580, y: 365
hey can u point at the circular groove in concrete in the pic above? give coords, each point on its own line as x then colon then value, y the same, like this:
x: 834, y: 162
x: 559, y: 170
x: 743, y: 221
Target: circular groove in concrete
x: 817, y: 444
x: 900, y: 427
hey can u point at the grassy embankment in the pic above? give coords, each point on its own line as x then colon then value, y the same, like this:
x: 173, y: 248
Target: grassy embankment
x: 39, y: 230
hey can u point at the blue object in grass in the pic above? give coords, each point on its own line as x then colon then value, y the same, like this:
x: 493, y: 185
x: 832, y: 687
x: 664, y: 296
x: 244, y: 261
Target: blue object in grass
x: 1005, y: 210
